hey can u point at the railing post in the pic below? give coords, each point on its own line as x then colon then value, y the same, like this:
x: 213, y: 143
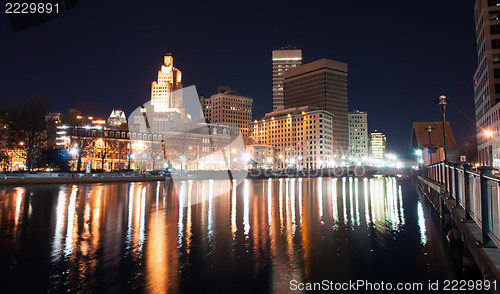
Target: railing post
x: 456, y: 193
x: 485, y: 204
x: 467, y: 194
x: 438, y: 173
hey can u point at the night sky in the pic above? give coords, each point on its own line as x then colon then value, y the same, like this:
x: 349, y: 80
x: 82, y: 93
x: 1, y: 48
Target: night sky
x: 104, y: 55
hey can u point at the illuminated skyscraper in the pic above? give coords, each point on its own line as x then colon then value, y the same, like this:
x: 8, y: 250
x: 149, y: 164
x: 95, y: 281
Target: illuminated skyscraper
x: 169, y: 79
x: 321, y: 83
x: 282, y: 61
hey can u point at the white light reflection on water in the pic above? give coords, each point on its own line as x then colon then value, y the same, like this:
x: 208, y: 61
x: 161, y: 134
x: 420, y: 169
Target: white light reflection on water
x: 344, y: 202
x: 334, y: 208
x: 367, y: 205
x: 210, y: 230
x: 300, y: 200
x: 182, y: 203
x: 131, y: 196
x: 60, y: 220
x: 269, y: 205
x: 356, y: 197
x: 319, y: 188
x: 234, y: 226
x: 246, y: 204
x: 292, y: 203
x: 71, y: 219
x: 421, y: 223
x: 351, y: 202
x: 142, y: 221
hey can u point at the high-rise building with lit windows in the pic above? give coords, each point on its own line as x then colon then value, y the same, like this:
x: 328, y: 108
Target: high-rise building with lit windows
x: 163, y: 97
x: 321, y: 83
x: 487, y: 81
x: 282, y: 61
x: 302, y: 137
x: 228, y: 107
x: 377, y: 145
x: 358, y: 134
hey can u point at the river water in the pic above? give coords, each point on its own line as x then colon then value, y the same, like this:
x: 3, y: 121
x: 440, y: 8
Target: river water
x: 261, y: 236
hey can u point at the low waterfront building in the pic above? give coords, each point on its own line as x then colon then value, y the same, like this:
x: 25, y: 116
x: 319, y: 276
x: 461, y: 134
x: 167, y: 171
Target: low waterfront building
x: 262, y: 156
x: 95, y: 146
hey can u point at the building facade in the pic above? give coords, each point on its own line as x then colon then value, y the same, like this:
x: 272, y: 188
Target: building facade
x: 227, y: 107
x: 262, y: 156
x: 377, y: 145
x: 358, y: 134
x: 302, y: 137
x: 323, y: 84
x: 282, y: 61
x: 163, y: 134
x: 96, y: 146
x: 487, y: 81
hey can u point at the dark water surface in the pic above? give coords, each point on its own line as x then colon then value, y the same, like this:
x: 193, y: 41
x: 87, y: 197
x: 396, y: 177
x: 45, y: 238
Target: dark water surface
x: 210, y: 238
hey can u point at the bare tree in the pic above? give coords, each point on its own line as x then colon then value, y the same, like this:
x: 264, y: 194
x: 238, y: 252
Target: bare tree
x: 27, y: 129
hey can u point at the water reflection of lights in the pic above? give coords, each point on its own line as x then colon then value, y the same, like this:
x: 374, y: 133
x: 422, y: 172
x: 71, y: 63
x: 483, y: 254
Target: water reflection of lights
x: 246, y: 212
x: 269, y: 204
x: 130, y: 213
x: 344, y: 202
x: 61, y: 204
x: 210, y: 230
x: 319, y: 188
x: 234, y: 226
x: 367, y: 198
x: 270, y: 225
x: 182, y: 203
x: 334, y: 207
x: 421, y: 223
x: 292, y: 203
x: 71, y: 219
x: 356, y: 198
x: 351, y: 206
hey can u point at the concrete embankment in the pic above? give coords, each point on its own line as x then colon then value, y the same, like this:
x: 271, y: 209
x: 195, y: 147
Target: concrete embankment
x: 76, y: 179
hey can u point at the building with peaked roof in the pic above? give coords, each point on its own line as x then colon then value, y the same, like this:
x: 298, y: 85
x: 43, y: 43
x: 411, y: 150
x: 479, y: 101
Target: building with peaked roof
x: 431, y: 147
x: 117, y: 118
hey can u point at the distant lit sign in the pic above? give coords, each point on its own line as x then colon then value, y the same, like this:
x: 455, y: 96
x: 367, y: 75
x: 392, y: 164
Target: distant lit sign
x: 99, y: 122
x: 463, y: 158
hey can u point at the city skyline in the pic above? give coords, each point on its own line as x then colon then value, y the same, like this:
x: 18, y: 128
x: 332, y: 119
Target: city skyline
x: 387, y: 66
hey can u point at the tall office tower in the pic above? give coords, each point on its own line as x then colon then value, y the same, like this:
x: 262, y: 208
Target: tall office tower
x: 377, y: 145
x: 282, y: 61
x: 169, y: 80
x: 321, y: 83
x: 227, y: 107
x: 487, y: 81
x: 358, y: 134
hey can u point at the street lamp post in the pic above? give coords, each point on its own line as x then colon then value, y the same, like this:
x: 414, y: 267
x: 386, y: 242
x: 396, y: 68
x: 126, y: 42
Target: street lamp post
x: 429, y: 131
x: 442, y: 100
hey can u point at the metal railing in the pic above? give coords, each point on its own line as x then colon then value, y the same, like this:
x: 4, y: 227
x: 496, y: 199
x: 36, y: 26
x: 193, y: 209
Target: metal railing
x: 475, y: 191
